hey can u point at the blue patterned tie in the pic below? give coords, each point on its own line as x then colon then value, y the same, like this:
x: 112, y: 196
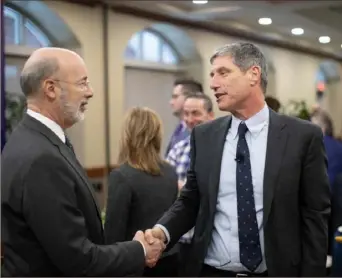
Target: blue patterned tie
x: 250, y: 251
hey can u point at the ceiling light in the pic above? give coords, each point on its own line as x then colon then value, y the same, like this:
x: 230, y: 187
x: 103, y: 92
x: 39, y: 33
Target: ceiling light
x: 200, y: 2
x: 297, y: 31
x: 265, y: 21
x: 341, y: 45
x: 324, y: 39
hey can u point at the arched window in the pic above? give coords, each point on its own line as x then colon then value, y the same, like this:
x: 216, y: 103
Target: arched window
x: 22, y: 37
x: 149, y: 46
x: 19, y: 30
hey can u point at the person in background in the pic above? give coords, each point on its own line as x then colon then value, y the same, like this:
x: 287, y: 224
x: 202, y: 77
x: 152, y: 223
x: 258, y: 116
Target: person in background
x: 197, y: 109
x: 333, y: 147
x: 51, y: 223
x: 336, y: 227
x: 257, y: 190
x: 273, y: 103
x: 143, y: 187
x: 182, y: 88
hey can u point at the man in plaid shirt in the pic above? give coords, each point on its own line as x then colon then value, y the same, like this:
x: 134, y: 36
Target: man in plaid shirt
x: 197, y: 109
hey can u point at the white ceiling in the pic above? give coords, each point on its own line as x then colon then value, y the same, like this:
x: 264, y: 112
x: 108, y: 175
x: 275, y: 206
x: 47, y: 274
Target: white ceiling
x: 317, y: 18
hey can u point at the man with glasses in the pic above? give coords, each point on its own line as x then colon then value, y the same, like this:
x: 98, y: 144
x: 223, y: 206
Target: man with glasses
x: 51, y: 224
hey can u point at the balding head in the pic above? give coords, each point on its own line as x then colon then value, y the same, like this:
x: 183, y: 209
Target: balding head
x: 42, y: 64
x: 55, y: 82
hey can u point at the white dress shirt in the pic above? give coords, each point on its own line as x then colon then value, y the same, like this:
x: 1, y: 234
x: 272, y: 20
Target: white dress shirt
x: 223, y: 251
x: 49, y: 123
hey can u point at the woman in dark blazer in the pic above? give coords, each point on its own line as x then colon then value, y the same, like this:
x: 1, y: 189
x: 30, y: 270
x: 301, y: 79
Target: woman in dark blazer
x: 142, y: 188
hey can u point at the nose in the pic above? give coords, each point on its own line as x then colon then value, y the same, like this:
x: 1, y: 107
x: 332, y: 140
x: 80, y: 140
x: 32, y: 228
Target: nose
x: 189, y: 120
x: 90, y: 93
x: 214, y: 85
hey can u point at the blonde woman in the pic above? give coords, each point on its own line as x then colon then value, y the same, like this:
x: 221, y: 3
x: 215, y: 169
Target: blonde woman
x: 143, y: 187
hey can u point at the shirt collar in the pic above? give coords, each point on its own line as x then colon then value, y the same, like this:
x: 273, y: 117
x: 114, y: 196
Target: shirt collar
x: 49, y: 123
x: 183, y: 124
x: 255, y: 123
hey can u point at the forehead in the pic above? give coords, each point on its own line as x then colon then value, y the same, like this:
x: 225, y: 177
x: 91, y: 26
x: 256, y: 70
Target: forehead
x: 223, y: 62
x: 74, y: 67
x: 193, y: 104
x: 177, y: 90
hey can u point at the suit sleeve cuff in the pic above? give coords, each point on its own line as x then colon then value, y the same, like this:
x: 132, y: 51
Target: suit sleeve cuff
x: 143, y: 248
x: 166, y: 232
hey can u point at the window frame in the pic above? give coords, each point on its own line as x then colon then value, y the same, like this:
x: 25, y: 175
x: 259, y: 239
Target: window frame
x: 161, y: 63
x: 25, y: 21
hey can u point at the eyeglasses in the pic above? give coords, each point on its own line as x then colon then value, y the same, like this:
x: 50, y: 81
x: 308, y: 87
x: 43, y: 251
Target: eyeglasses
x: 83, y: 85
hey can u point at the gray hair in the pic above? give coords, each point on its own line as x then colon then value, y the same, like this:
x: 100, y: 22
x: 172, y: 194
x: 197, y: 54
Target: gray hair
x: 33, y: 74
x: 245, y: 55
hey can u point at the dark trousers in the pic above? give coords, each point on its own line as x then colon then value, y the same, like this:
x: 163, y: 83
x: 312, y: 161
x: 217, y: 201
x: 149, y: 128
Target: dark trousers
x: 209, y: 271
x: 166, y: 267
x: 183, y: 255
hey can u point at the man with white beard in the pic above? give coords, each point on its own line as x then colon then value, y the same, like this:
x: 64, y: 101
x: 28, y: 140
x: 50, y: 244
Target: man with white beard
x: 51, y: 224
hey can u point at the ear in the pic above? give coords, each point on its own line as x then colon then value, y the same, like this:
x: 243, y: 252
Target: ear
x: 254, y: 74
x: 49, y: 88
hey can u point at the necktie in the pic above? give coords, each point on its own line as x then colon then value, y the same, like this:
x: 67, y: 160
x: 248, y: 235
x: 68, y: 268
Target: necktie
x: 250, y: 251
x: 69, y: 145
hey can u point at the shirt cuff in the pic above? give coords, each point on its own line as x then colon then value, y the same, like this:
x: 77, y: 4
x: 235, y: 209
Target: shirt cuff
x: 166, y: 232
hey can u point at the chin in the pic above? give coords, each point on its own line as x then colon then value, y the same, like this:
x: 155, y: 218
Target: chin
x: 224, y: 107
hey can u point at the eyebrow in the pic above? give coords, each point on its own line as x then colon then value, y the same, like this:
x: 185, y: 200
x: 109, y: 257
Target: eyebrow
x: 84, y: 78
x: 220, y: 69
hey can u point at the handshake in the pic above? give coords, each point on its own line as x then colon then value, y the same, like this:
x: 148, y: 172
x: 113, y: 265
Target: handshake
x: 153, y: 241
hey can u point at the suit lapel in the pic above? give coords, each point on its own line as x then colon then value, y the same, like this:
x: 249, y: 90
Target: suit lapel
x: 70, y: 157
x: 217, y: 140
x: 64, y: 150
x: 276, y: 146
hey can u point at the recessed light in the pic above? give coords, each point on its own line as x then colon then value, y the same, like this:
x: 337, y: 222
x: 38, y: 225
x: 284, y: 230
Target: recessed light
x: 297, y: 31
x: 265, y: 21
x: 200, y: 2
x: 324, y: 39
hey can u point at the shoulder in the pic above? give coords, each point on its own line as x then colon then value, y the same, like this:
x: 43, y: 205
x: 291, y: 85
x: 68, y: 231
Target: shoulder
x: 120, y: 171
x: 302, y: 127
x: 167, y: 168
x: 214, y: 124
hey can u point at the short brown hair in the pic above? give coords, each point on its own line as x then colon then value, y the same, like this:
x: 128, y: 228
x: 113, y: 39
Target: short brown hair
x: 140, y: 142
x: 273, y: 103
x: 189, y: 86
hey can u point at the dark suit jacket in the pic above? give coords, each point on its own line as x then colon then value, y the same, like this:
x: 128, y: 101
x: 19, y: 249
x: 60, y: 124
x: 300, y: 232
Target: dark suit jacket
x: 139, y: 198
x: 51, y: 222
x: 333, y: 149
x: 296, y: 196
x: 336, y: 208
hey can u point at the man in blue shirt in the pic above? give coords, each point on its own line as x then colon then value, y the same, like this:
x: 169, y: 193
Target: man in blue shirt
x: 257, y: 190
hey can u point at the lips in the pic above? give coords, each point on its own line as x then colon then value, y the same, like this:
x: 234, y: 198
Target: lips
x: 218, y: 95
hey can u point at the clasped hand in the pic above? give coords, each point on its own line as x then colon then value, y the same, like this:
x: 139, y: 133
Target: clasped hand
x: 153, y: 242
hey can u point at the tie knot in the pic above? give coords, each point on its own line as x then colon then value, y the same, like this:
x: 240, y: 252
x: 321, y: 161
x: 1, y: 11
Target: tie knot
x: 68, y: 143
x: 242, y: 129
